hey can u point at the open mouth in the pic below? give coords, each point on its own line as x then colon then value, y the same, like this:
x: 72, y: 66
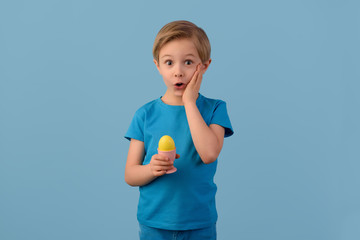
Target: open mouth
x: 180, y: 86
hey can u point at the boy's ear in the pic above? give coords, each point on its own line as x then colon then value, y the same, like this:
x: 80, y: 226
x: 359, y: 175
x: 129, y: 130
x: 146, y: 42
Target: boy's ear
x: 157, y: 64
x: 206, y: 65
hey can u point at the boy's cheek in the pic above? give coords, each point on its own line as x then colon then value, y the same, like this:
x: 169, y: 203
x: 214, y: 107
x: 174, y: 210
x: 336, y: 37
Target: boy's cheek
x: 193, y: 71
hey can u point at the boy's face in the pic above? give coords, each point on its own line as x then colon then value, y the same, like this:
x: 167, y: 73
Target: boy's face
x: 177, y: 64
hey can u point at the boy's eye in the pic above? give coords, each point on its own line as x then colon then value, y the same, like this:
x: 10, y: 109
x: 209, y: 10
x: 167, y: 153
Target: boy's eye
x: 188, y: 62
x: 168, y: 62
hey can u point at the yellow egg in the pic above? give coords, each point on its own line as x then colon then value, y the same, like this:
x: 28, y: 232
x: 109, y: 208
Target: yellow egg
x: 166, y: 143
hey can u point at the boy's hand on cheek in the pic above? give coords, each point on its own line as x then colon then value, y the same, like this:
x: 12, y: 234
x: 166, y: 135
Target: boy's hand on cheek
x: 192, y: 89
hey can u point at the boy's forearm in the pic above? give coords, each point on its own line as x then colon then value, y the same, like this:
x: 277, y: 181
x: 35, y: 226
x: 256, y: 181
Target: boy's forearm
x: 205, y: 140
x: 138, y: 175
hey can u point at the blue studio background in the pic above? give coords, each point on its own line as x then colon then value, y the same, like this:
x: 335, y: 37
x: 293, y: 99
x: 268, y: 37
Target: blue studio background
x: 72, y: 74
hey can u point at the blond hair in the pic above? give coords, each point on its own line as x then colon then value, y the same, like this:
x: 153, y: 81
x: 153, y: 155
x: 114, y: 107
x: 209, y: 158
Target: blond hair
x: 180, y: 30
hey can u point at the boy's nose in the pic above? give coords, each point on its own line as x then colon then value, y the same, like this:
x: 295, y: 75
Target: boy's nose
x: 178, y: 71
x: 178, y: 74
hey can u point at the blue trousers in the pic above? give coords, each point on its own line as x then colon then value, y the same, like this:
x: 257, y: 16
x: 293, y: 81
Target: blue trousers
x: 150, y: 233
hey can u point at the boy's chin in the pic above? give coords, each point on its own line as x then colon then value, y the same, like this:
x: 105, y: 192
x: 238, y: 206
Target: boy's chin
x: 178, y: 93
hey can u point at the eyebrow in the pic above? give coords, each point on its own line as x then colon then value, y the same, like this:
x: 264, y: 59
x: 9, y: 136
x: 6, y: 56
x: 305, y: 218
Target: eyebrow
x: 166, y: 56
x: 187, y: 55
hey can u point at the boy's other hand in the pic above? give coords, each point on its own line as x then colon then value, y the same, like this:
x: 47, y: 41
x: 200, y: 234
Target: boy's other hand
x: 160, y: 164
x: 192, y: 89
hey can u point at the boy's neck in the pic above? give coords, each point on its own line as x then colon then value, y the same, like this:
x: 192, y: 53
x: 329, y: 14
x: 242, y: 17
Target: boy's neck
x: 172, y: 100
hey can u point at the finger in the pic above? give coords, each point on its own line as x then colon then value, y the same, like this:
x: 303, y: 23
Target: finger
x: 196, y: 73
x: 198, y: 69
x: 159, y: 173
x: 202, y: 68
x: 193, y: 79
x: 161, y: 157
x: 198, y: 77
x: 162, y: 168
x: 162, y: 163
x: 199, y: 72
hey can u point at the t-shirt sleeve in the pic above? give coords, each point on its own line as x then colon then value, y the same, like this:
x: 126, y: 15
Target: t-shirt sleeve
x: 221, y: 117
x: 136, y: 128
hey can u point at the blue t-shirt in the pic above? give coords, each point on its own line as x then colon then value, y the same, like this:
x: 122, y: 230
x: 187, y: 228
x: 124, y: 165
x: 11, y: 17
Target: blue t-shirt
x: 185, y: 199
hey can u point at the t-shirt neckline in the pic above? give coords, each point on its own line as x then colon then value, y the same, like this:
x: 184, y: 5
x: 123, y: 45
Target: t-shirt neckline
x: 177, y: 106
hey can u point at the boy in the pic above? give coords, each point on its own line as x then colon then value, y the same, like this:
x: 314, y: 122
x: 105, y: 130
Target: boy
x: 180, y: 204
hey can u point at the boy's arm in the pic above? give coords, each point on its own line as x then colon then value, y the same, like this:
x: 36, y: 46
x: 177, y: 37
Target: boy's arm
x: 137, y: 174
x: 208, y: 140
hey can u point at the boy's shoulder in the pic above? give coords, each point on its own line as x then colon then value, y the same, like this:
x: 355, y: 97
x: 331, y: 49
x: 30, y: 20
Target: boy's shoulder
x: 149, y: 106
x: 210, y: 101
